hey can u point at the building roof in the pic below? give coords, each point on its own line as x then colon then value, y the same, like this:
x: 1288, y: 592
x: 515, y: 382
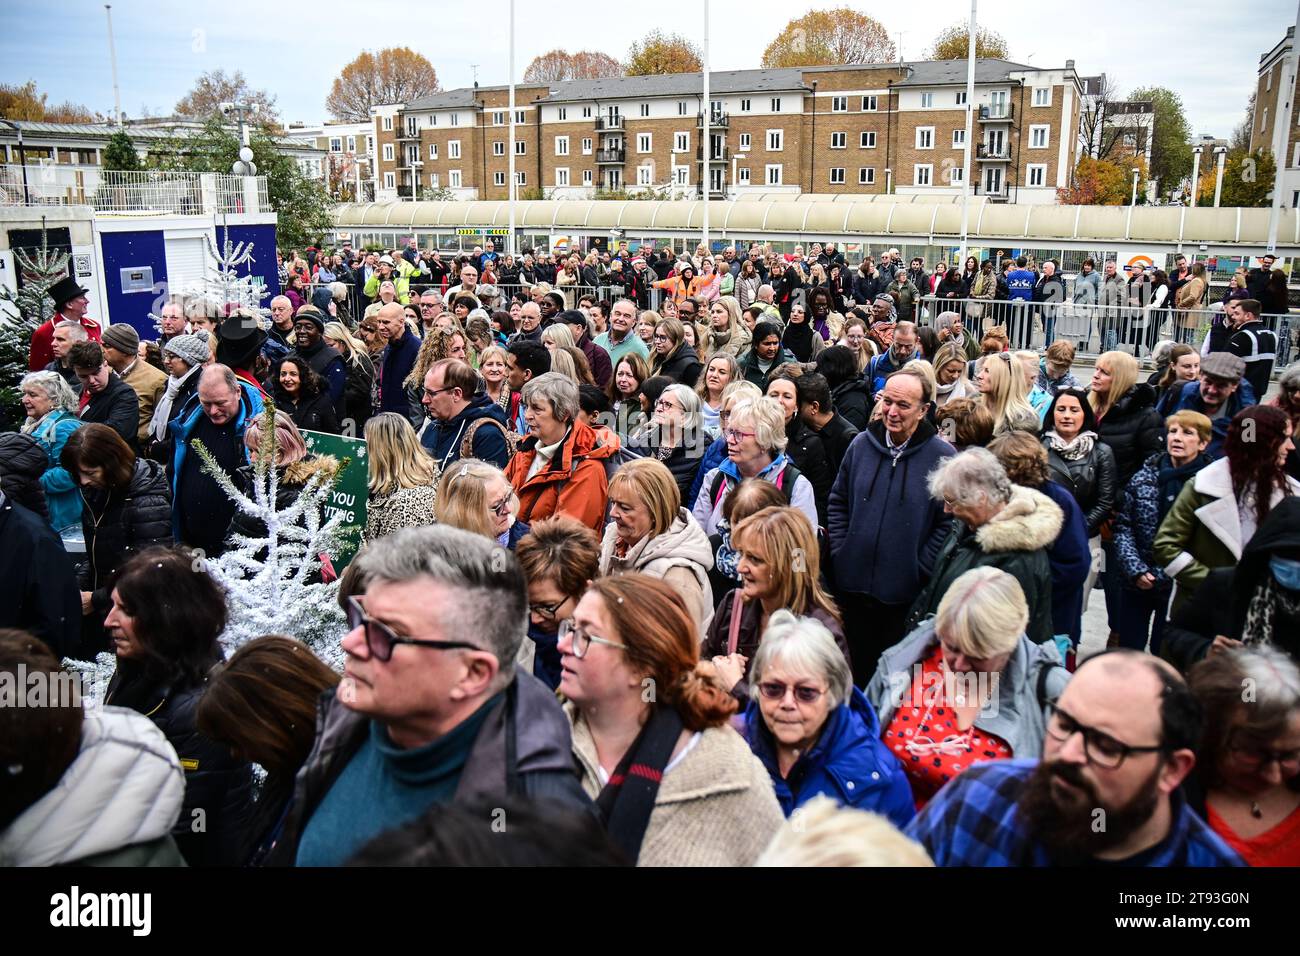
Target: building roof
x: 953, y: 72
x: 447, y: 99
x: 677, y: 84
x: 105, y: 130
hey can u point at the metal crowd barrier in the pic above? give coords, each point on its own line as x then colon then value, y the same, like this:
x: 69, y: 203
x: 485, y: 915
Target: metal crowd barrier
x: 1094, y: 329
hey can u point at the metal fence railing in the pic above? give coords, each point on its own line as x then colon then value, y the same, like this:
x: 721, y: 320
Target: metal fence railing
x: 1097, y: 328
x: 132, y: 192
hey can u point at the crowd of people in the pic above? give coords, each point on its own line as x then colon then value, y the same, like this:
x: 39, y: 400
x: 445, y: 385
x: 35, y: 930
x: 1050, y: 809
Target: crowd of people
x: 700, y: 585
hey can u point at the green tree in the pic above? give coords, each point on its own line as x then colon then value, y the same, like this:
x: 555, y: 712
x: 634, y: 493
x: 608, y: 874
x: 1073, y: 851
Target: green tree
x: 1247, y: 179
x: 659, y: 54
x: 120, y: 153
x: 954, y: 44
x: 21, y: 314
x: 1171, y: 154
x: 302, y: 205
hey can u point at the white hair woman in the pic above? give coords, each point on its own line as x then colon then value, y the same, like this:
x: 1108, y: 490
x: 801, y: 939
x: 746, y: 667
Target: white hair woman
x: 813, y: 730
x: 51, y: 407
x: 756, y: 443
x: 476, y: 496
x: 967, y: 685
x: 674, y: 435
x: 998, y: 525
x: 649, y: 531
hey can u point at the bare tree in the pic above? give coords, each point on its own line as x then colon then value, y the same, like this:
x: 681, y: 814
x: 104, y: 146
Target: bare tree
x: 1098, y: 135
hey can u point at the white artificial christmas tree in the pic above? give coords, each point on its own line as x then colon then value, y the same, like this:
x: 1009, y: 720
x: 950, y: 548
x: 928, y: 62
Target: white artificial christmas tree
x: 223, y: 290
x: 272, y: 582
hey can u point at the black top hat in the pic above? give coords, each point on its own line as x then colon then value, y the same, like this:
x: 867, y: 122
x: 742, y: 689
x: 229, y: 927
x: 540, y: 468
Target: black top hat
x: 65, y: 290
x: 239, y: 338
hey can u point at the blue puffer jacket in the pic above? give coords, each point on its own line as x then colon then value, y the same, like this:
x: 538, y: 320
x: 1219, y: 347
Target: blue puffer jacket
x: 849, y: 763
x: 1191, y: 398
x: 62, y: 499
x: 180, y: 427
x: 1142, y: 506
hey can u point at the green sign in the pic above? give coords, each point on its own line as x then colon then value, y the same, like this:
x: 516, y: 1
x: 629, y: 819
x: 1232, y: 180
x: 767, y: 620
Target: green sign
x: 350, y: 488
x: 482, y: 232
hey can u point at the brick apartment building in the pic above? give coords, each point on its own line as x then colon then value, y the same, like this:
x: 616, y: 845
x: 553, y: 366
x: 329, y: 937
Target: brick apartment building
x: 1263, y: 123
x: 870, y: 129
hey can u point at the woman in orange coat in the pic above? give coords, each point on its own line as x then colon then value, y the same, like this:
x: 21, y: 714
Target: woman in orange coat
x: 560, y: 467
x: 678, y: 287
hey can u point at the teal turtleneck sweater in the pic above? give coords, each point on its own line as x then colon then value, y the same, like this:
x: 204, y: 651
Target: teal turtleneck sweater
x: 384, y: 786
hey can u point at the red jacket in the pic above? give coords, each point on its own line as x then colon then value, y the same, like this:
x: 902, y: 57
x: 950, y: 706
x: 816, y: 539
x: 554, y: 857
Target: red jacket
x: 42, y: 353
x: 572, y: 484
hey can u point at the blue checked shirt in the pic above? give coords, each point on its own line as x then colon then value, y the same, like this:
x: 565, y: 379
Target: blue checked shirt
x: 974, y: 821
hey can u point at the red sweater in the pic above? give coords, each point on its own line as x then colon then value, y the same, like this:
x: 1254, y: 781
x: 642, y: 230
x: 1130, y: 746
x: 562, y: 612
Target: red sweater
x: 42, y: 353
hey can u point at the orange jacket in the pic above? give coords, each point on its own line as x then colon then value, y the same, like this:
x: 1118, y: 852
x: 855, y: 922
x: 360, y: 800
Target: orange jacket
x: 676, y: 288
x: 572, y: 484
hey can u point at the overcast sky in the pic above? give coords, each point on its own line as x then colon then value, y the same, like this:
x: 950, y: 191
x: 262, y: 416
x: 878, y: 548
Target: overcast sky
x: 1202, y: 50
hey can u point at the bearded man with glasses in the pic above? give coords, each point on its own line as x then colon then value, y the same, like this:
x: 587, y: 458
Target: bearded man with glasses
x: 1119, y: 743
x: 431, y: 709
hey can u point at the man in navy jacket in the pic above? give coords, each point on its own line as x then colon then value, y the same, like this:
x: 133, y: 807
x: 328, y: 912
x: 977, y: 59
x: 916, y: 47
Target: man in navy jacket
x: 398, y: 359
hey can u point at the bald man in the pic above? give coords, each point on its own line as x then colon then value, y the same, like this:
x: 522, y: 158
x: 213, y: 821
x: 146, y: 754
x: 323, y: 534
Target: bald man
x: 282, y: 321
x: 398, y: 359
x: 1119, y: 742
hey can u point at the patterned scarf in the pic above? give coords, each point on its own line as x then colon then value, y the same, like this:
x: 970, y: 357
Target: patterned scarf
x: 727, y: 558
x: 1081, y: 447
x: 1262, y: 610
x: 626, y: 802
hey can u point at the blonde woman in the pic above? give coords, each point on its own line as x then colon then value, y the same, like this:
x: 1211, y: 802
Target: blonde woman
x: 554, y: 336
x: 403, y: 477
x: 1004, y: 390
x: 858, y: 341
x: 475, y: 496
x: 649, y: 531
x: 726, y: 332
x: 1127, y: 419
x: 719, y: 371
x: 495, y: 369
x: 357, y: 400
x: 951, y: 381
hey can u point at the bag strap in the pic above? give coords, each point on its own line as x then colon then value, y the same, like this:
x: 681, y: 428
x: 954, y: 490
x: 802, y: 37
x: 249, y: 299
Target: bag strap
x: 1042, y: 683
x: 733, y: 632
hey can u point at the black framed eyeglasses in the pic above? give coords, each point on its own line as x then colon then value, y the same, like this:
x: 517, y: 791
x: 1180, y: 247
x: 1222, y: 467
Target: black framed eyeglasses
x: 547, y: 611
x: 381, y: 639
x: 1101, y: 749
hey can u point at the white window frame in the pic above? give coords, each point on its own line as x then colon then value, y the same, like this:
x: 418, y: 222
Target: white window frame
x: 742, y: 176
x: 352, y: 144
x: 837, y: 176
x: 958, y: 138
x: 1043, y: 129
x: 870, y: 103
x: 521, y: 147
x: 499, y: 147
x: 455, y: 119
x: 388, y: 123
x: 336, y: 145
x: 839, y: 104
x: 433, y: 119
x: 1042, y: 96
x: 498, y: 117
x: 681, y: 175
x: 454, y: 179
x: 777, y: 137
x: 774, y: 174
x: 867, y: 140
x: 956, y: 175
x: 645, y: 110
x: 561, y: 175
x: 1036, y: 168
x: 961, y: 97
x: 586, y: 177
x: 562, y: 113
x: 561, y: 146
x: 433, y: 180
x: 776, y: 104
x: 389, y: 154
x: 521, y: 178
x: 866, y: 175
x: 412, y: 154
x: 681, y: 142
x: 499, y: 178
x: 927, y: 101
x: 645, y: 175
x: 925, y: 137
x: 744, y: 105
x: 745, y: 141
x: 519, y: 117
x: 390, y: 181
x: 681, y: 107
x: 839, y: 140
x: 586, y: 112
x: 586, y: 146
x: 453, y: 149
x: 645, y: 142
x: 923, y: 174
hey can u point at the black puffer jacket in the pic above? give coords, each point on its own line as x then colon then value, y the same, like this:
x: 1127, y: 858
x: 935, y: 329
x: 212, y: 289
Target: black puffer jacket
x: 852, y: 399
x: 120, y: 524
x: 1093, y: 480
x: 683, y: 366
x: 311, y: 412
x: 1133, y: 430
x: 218, y: 788
x: 805, y: 448
x: 356, y: 391
x: 22, y: 462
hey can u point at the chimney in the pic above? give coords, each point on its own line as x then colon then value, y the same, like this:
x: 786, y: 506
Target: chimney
x: 1069, y: 64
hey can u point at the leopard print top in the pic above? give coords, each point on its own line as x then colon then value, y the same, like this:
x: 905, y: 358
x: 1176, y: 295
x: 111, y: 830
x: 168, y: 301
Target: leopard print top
x: 405, y: 508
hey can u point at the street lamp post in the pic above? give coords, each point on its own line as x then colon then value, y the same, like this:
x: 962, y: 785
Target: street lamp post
x: 889, y: 180
x: 416, y: 166
x: 1136, y: 172
x: 1221, y: 152
x: 1196, y: 170
x: 736, y: 158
